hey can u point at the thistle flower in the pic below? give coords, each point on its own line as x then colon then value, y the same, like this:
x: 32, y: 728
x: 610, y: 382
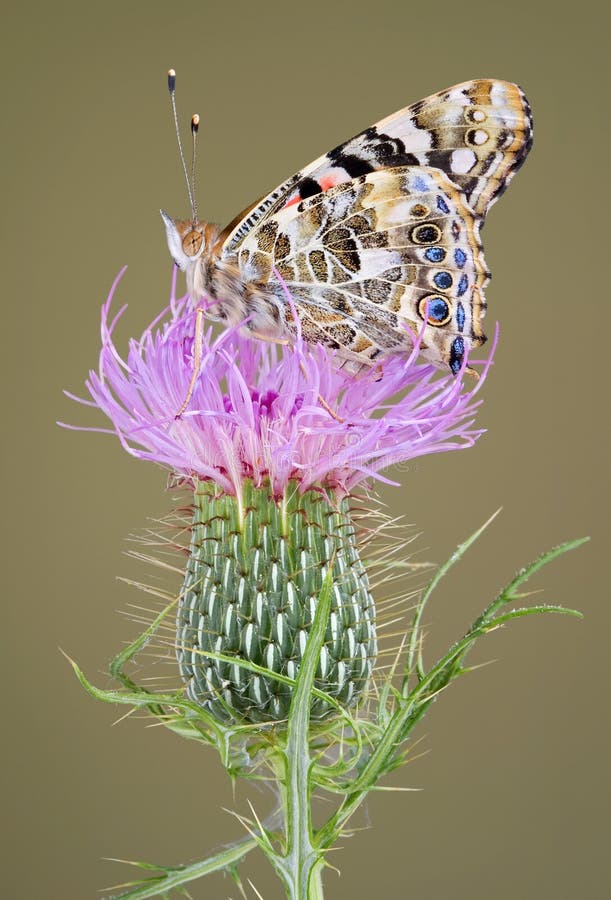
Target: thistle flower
x: 256, y: 410
x: 273, y: 442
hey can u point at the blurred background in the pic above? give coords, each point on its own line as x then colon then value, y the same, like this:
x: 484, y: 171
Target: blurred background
x: 514, y: 780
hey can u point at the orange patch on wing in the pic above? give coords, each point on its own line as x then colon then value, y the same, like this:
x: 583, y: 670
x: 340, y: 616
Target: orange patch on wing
x: 326, y: 182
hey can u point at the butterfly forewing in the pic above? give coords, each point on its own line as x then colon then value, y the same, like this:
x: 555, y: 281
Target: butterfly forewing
x: 478, y: 133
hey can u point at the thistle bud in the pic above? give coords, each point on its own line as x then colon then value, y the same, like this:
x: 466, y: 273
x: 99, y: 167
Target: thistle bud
x: 255, y: 572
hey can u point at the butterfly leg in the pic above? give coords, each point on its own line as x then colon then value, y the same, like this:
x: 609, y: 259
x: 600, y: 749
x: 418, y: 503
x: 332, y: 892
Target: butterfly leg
x: 321, y: 399
x: 284, y: 342
x: 197, y: 358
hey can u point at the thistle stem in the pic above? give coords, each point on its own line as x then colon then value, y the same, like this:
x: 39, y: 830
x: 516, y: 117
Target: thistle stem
x: 301, y: 868
x: 301, y: 865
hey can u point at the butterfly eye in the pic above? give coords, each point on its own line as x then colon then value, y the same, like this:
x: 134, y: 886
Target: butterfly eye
x: 425, y: 234
x: 191, y: 242
x: 436, y: 310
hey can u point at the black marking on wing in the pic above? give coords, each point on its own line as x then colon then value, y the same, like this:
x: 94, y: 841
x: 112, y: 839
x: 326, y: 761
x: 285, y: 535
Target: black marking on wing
x: 352, y: 164
x: 376, y: 150
x: 309, y: 187
x: 273, y: 201
x: 390, y: 152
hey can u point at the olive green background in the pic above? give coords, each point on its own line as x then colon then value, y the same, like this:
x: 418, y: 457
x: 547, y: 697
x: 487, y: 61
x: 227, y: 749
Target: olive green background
x: 514, y: 776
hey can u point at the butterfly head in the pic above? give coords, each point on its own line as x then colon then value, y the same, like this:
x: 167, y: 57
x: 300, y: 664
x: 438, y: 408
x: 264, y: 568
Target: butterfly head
x: 186, y: 240
x: 191, y: 244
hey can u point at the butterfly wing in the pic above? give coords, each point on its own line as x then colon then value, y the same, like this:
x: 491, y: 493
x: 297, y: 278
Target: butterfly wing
x: 478, y: 133
x: 373, y: 261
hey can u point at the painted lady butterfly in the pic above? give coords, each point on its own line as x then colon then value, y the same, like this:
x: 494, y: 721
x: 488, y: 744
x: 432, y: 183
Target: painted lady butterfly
x: 381, y: 233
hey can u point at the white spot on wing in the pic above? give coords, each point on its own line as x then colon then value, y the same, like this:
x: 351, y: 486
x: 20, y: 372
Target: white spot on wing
x: 497, y: 94
x: 457, y: 96
x: 414, y: 137
x: 342, y: 203
x: 373, y: 262
x: 463, y: 161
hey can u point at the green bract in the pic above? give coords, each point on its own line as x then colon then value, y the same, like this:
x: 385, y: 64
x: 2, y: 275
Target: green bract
x: 255, y: 571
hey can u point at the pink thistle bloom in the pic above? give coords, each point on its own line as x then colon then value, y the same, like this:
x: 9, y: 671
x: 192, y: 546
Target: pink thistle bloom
x: 256, y: 409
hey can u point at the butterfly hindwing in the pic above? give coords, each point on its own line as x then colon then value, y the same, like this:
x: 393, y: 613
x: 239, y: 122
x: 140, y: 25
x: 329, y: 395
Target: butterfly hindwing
x: 369, y: 260
x: 478, y: 133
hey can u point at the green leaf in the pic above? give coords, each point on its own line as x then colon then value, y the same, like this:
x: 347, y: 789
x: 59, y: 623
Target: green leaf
x: 118, y: 662
x: 413, y: 660
x: 412, y: 706
x: 172, y: 878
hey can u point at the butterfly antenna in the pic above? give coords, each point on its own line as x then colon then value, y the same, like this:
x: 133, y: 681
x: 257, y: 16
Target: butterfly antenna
x: 194, y: 130
x: 172, y: 90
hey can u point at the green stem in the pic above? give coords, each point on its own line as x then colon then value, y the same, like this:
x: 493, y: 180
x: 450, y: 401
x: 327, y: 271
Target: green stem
x: 301, y: 866
x: 316, y: 890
